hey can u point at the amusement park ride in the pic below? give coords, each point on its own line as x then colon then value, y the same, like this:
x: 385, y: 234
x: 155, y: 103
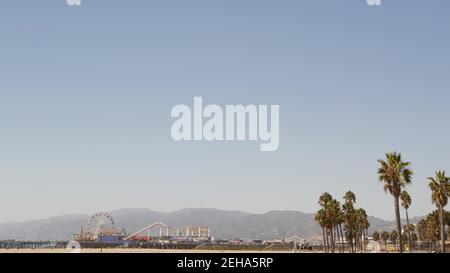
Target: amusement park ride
x: 101, y: 228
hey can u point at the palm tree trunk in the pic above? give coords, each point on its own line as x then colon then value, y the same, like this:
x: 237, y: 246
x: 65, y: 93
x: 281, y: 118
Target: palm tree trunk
x: 362, y: 240
x: 324, y: 239
x: 337, y: 238
x: 332, y: 239
x: 342, y: 237
x: 441, y: 220
x: 357, y: 242
x: 409, y: 232
x: 351, y: 243
x: 397, y: 218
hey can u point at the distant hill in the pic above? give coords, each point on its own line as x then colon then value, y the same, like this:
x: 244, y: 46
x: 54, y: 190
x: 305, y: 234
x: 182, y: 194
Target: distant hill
x: 224, y: 224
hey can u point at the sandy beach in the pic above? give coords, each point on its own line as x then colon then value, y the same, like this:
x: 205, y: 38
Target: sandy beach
x: 125, y: 251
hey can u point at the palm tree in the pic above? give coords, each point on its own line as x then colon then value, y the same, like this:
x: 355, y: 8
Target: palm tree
x: 385, y: 237
x: 350, y: 197
x: 376, y: 236
x: 414, y: 237
x: 428, y: 229
x: 422, y: 229
x: 336, y: 216
x: 320, y: 219
x: 365, y: 227
x: 432, y: 229
x: 395, y: 174
x: 406, y: 203
x: 362, y: 224
x: 325, y: 201
x: 340, y: 221
x: 332, y: 215
x: 349, y: 217
x: 394, y: 236
x: 440, y: 187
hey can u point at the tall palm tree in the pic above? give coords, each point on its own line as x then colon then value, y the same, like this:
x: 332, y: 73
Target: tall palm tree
x: 340, y: 221
x: 406, y: 203
x: 395, y: 174
x: 333, y: 214
x: 337, y: 220
x: 325, y: 201
x: 440, y: 187
x: 362, y: 224
x: 320, y: 219
x: 350, y: 217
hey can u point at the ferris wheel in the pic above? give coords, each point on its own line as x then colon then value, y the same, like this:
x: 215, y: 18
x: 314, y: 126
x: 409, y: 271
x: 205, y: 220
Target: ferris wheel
x: 100, y: 223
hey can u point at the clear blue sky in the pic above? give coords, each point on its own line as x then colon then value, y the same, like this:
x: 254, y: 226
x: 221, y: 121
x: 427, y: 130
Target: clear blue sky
x: 86, y: 94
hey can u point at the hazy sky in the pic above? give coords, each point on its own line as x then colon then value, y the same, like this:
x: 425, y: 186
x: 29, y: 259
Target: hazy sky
x: 86, y: 94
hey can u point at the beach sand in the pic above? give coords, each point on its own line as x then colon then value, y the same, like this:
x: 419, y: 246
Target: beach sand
x: 126, y: 250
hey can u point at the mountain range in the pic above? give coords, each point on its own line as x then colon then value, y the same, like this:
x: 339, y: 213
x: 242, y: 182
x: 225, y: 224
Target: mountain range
x: 224, y: 224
